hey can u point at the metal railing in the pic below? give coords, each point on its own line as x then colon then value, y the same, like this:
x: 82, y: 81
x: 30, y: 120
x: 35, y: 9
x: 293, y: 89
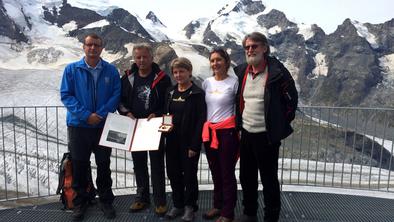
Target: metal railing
x: 330, y: 147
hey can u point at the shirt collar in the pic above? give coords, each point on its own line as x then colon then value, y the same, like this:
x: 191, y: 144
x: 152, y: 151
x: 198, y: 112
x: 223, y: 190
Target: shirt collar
x: 98, y: 66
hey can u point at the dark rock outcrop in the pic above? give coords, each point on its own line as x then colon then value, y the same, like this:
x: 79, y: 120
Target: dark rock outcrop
x: 9, y: 28
x: 125, y: 20
x: 151, y: 16
x: 353, y: 68
x: 68, y: 13
x: 191, y: 28
x: 249, y: 7
x: 274, y: 18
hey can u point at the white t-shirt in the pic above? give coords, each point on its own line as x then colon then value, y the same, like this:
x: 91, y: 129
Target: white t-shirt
x: 220, y: 97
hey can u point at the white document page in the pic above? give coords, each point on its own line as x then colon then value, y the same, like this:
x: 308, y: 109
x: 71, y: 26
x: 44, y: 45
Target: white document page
x: 147, y: 135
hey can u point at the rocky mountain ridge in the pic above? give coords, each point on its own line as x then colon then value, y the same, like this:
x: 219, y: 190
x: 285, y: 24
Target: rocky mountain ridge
x: 353, y: 66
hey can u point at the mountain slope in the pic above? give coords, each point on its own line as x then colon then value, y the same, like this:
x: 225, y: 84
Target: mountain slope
x: 352, y: 66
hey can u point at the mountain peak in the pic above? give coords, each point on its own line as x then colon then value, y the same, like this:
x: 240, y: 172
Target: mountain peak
x: 347, y: 28
x: 274, y: 18
x: 151, y: 16
x: 250, y: 7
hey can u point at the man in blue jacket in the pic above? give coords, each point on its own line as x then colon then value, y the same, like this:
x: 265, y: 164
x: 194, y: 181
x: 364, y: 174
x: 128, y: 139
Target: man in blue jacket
x: 90, y: 89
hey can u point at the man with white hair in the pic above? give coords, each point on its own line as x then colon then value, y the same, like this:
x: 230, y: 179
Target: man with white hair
x: 142, y: 96
x: 266, y: 103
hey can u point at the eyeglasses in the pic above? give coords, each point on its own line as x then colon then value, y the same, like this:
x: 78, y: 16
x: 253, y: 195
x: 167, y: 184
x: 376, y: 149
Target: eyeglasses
x: 92, y: 44
x: 247, y: 47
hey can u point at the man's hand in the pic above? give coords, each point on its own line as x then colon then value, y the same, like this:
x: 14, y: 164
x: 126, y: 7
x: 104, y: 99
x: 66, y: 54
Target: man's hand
x: 152, y: 115
x: 191, y: 153
x: 129, y: 114
x: 94, y: 119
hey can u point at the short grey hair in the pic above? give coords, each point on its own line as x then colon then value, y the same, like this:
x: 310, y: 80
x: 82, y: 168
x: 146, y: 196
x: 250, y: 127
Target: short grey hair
x: 257, y: 37
x: 143, y: 46
x: 181, y: 62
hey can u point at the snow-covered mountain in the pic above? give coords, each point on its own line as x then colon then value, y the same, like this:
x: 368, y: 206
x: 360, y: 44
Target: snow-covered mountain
x: 352, y: 66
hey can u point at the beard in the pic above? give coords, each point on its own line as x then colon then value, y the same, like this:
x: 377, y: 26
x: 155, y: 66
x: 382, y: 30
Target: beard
x: 254, y: 60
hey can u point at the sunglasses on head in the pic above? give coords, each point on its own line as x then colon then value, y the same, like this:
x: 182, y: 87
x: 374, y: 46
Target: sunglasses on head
x: 254, y: 46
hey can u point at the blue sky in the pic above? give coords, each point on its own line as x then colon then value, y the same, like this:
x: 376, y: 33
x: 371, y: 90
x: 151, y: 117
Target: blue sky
x: 327, y: 14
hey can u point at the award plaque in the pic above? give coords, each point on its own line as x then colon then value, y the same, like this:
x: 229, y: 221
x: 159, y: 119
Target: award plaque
x: 167, y: 125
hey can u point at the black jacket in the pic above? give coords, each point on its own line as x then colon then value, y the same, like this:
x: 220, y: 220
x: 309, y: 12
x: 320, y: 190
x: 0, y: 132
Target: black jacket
x: 160, y: 84
x: 194, y: 116
x: 280, y: 99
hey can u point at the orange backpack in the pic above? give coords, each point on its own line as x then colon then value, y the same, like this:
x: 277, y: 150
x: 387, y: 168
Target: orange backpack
x: 64, y: 188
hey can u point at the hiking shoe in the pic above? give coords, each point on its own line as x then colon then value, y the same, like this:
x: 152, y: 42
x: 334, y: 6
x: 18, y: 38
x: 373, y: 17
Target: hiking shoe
x: 246, y: 218
x: 108, y: 210
x: 79, y: 212
x: 174, y: 213
x: 188, y: 215
x: 211, y: 214
x: 161, y: 210
x: 138, y: 206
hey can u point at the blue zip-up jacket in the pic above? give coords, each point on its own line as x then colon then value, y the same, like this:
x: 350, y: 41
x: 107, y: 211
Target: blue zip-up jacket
x: 77, y: 92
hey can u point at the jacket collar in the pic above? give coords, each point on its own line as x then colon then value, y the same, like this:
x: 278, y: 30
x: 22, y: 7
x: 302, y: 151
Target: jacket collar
x: 274, y: 69
x: 82, y: 64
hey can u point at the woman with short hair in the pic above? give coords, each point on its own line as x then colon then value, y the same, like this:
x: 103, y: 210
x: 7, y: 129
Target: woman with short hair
x: 185, y: 102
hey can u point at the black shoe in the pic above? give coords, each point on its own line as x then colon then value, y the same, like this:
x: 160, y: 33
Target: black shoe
x: 108, y: 210
x: 93, y: 201
x: 246, y: 218
x: 79, y: 212
x: 271, y: 215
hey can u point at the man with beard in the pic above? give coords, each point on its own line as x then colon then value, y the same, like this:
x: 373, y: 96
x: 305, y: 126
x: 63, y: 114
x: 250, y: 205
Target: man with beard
x: 90, y: 89
x: 266, y: 103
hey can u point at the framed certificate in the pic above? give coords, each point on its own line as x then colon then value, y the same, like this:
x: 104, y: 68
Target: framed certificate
x: 125, y: 133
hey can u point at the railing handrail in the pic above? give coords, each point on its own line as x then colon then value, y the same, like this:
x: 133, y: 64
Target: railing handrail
x: 340, y: 147
x: 300, y: 106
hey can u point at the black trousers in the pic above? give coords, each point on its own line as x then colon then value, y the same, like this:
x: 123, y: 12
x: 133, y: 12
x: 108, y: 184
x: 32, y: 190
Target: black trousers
x: 82, y: 142
x: 258, y: 154
x: 222, y: 163
x: 140, y: 161
x: 182, y: 172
